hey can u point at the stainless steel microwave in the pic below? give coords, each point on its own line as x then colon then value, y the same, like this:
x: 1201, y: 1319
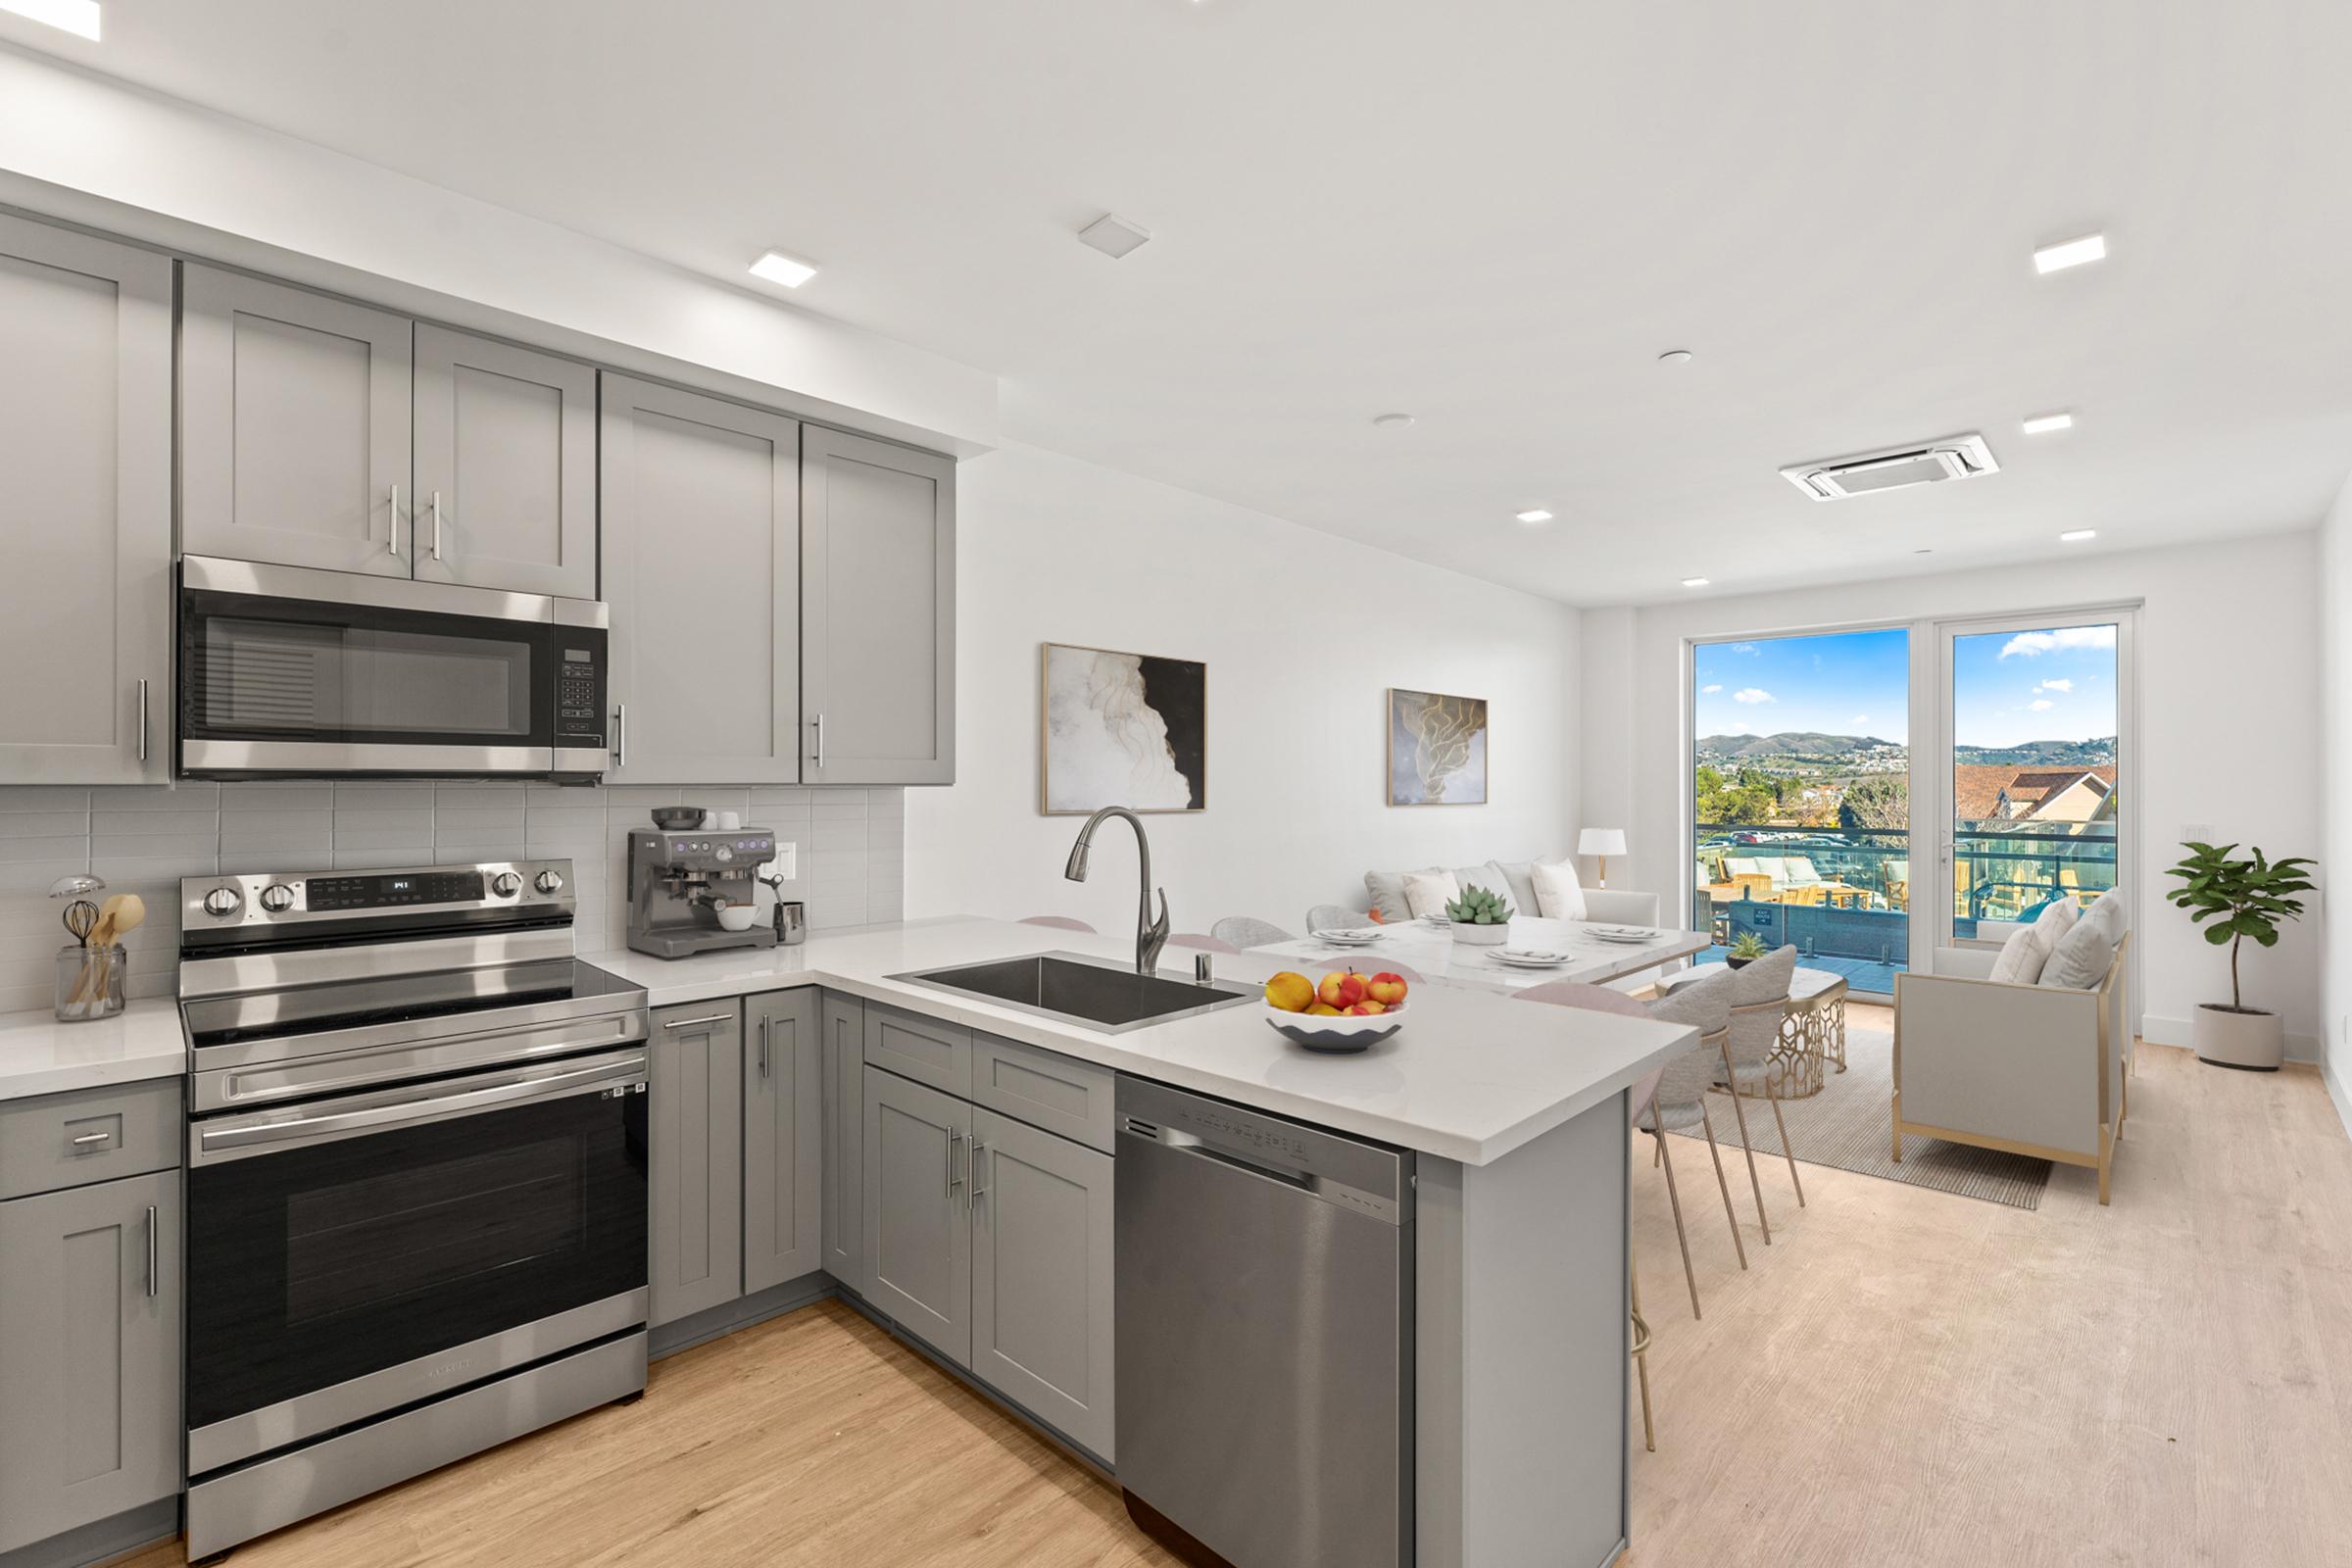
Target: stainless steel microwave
x: 288, y: 671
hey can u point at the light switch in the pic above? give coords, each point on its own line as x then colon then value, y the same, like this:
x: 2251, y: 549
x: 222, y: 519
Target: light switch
x: 786, y: 867
x: 2197, y: 833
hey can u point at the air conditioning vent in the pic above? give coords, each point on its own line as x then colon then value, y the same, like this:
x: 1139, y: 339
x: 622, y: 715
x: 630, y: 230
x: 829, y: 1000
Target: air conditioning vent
x: 1959, y: 457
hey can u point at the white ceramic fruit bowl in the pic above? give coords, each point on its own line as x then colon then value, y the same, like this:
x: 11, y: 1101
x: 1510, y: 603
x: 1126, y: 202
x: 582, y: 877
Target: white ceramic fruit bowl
x: 1338, y: 1034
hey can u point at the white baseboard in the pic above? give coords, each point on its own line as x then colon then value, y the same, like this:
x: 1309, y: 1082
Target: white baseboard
x: 2175, y: 1032
x: 2335, y: 1091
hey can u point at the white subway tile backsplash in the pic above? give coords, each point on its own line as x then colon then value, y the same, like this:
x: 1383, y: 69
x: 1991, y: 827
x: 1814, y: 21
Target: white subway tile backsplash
x: 143, y: 839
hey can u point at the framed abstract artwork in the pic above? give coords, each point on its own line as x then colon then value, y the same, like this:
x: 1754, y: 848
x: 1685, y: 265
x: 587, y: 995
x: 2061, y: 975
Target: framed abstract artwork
x: 1122, y: 729
x: 1437, y: 749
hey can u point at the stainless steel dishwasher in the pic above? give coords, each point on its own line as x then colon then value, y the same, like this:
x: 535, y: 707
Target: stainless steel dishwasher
x: 1265, y: 1332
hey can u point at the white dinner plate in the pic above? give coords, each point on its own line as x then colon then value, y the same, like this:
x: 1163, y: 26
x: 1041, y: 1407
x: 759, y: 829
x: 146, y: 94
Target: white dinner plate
x: 1356, y: 938
x: 1625, y: 938
x: 1530, y: 961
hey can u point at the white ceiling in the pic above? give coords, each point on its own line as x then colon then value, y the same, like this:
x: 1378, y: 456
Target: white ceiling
x: 1492, y: 214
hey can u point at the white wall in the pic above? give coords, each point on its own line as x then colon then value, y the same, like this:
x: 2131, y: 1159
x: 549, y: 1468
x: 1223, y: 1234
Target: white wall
x: 1301, y: 632
x: 2335, y: 720
x: 2229, y: 732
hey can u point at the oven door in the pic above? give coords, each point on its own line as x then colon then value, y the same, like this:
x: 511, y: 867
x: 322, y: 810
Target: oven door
x: 284, y: 669
x: 353, y: 1256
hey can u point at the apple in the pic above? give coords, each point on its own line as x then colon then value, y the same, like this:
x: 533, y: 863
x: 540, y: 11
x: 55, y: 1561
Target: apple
x: 1342, y: 989
x: 1367, y: 1009
x: 1386, y: 988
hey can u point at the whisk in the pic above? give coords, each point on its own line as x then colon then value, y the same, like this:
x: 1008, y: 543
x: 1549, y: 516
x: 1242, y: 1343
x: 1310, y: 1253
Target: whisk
x: 81, y: 918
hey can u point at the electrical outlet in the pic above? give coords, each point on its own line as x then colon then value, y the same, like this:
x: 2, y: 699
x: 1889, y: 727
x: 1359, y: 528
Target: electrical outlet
x: 786, y: 867
x: 2197, y: 833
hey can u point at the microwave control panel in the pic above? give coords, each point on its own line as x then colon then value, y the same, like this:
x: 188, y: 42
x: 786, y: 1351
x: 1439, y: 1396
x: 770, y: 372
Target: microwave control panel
x: 579, y: 689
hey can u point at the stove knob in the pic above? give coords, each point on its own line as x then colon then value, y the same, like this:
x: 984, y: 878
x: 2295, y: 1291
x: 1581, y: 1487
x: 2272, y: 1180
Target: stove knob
x: 223, y: 901
x: 506, y: 884
x: 549, y: 881
x: 277, y: 897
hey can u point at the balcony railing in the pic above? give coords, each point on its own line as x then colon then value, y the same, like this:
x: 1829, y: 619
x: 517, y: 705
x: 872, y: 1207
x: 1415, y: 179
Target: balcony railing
x: 2010, y: 870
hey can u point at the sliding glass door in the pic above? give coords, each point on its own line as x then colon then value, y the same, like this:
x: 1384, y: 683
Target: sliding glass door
x: 2034, y: 801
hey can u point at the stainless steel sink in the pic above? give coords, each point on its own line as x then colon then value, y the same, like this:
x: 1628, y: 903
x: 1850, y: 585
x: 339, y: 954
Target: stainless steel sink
x: 1097, y: 994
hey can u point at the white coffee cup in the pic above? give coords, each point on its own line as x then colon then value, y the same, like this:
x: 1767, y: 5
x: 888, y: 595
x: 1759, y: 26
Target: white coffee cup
x: 729, y: 822
x: 737, y: 917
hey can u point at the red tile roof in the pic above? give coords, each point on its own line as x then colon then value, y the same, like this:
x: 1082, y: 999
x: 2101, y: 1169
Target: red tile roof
x: 1979, y: 786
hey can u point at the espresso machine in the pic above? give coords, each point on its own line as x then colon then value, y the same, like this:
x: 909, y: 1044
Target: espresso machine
x: 688, y: 887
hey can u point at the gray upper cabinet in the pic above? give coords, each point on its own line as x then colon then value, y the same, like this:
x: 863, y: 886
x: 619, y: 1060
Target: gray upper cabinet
x: 701, y: 500
x: 878, y: 613
x: 696, y: 1132
x: 1042, y: 1278
x: 85, y: 512
x: 504, y: 493
x: 783, y: 1138
x: 844, y: 1023
x: 918, y: 1231
x: 89, y: 1354
x: 294, y: 426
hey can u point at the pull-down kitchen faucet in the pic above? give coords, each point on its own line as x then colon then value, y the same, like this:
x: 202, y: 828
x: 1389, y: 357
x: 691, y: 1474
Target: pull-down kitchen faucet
x: 1150, y: 935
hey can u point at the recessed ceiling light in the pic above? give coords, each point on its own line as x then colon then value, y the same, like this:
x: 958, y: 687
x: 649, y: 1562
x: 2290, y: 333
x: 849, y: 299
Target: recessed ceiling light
x: 778, y: 267
x: 1392, y: 422
x: 1535, y: 515
x: 1674, y: 357
x: 1694, y: 583
x: 2075, y: 537
x: 79, y: 17
x: 2044, y: 423
x: 2070, y: 253
x: 1114, y: 236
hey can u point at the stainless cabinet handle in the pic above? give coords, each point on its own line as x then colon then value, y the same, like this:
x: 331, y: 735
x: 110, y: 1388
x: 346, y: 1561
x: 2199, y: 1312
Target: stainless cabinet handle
x: 142, y: 722
x: 621, y: 735
x: 152, y: 1283
x: 82, y: 1140
x: 820, y: 743
x: 764, y: 1048
x: 955, y: 1142
x: 436, y: 525
x: 688, y: 1023
x: 978, y: 1192
x: 394, y: 546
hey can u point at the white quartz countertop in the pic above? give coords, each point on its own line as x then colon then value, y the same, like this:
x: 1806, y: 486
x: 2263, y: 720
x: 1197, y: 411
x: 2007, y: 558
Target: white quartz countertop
x: 38, y: 1055
x: 1470, y: 1077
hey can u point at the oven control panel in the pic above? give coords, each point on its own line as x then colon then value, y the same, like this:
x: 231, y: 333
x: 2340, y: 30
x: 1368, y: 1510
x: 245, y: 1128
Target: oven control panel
x: 281, y: 898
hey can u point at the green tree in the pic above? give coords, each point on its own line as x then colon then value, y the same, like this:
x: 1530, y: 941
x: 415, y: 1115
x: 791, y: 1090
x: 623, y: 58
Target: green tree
x: 1882, y: 801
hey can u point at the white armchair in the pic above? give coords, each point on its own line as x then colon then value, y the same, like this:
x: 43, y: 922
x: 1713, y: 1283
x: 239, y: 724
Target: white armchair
x: 2034, y: 1070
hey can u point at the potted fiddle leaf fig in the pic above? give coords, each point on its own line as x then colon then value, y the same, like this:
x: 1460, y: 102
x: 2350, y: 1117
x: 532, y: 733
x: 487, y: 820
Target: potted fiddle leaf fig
x: 2233, y: 898
x: 1480, y: 918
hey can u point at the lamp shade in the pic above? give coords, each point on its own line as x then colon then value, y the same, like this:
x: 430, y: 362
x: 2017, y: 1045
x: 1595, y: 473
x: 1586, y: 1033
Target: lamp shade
x: 1601, y: 841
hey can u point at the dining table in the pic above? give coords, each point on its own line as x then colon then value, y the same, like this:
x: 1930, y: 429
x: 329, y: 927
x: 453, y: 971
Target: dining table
x: 1431, y: 951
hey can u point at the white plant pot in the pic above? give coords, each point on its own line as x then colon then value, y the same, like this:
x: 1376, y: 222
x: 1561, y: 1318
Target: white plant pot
x: 1482, y: 936
x: 2251, y: 1040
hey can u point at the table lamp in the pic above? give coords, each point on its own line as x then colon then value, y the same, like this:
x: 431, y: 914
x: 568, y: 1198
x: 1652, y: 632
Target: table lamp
x: 1601, y: 843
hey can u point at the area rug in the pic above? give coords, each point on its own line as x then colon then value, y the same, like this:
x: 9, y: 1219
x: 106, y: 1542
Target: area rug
x: 1846, y: 1126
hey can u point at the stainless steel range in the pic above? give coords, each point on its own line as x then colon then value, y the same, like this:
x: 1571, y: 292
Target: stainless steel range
x: 416, y: 1180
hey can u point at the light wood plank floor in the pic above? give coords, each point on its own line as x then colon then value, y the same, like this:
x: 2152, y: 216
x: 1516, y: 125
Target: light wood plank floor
x: 1903, y: 1376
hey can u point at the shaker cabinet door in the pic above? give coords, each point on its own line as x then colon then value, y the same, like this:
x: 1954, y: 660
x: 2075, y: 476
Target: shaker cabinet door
x: 918, y: 1232
x: 85, y: 508
x: 506, y: 467
x: 294, y: 426
x: 844, y: 1022
x: 783, y: 1138
x: 696, y: 1128
x: 878, y: 611
x: 702, y: 532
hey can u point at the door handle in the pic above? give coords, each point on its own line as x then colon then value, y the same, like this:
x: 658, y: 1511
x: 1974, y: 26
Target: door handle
x: 85, y: 1139
x: 688, y: 1023
x: 820, y: 743
x: 621, y: 735
x: 764, y: 1049
x: 152, y: 1283
x: 142, y: 722
x: 955, y: 1142
x: 978, y: 1149
x: 393, y: 548
x: 436, y: 525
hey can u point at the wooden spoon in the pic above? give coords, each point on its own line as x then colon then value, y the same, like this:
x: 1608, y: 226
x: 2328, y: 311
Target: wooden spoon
x: 123, y: 911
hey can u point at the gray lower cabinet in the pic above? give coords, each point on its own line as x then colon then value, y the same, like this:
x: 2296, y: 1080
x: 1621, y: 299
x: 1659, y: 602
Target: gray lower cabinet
x: 505, y: 469
x: 696, y: 1132
x: 89, y: 1354
x: 878, y: 611
x: 1042, y: 1278
x: 783, y: 1138
x: 844, y: 1035
x: 85, y: 543
x: 294, y: 426
x: 701, y: 500
x: 918, y: 1229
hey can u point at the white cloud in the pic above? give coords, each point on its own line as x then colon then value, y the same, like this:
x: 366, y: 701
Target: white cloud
x: 2033, y: 644
x: 1859, y: 719
x: 2040, y: 705
x: 1709, y: 691
x: 1751, y: 694
x: 2059, y: 685
x: 1746, y: 647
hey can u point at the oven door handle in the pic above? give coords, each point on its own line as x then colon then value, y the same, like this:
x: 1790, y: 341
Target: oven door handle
x: 273, y: 1131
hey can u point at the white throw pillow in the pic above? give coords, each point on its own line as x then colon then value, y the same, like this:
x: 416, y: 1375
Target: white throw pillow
x: 2022, y: 957
x: 2084, y: 955
x: 1559, y: 895
x: 1429, y: 892
x: 2055, y: 921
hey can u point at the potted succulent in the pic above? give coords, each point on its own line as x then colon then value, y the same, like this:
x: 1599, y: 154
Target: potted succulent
x: 1746, y: 950
x: 1480, y: 918
x: 2240, y: 897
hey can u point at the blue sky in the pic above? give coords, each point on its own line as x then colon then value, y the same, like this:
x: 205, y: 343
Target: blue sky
x: 1842, y: 684
x: 2009, y: 686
